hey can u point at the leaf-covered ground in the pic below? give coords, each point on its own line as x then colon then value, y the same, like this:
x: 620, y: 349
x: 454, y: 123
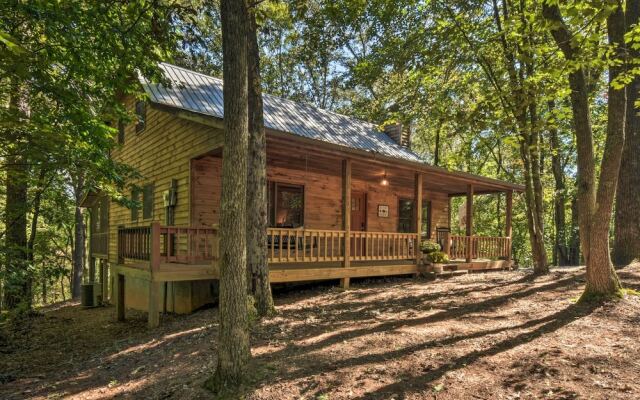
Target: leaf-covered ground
x: 481, y: 336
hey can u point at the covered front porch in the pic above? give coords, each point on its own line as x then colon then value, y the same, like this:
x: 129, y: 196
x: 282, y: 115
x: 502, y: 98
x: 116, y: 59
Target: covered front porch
x: 331, y: 216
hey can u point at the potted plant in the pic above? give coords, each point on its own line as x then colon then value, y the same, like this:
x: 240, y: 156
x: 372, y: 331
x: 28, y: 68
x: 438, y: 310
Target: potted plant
x: 438, y: 259
x: 429, y: 246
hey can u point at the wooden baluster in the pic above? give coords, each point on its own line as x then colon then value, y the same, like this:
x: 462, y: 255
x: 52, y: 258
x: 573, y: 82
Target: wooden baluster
x: 304, y: 245
x: 288, y: 236
x: 271, y: 244
x: 280, y: 244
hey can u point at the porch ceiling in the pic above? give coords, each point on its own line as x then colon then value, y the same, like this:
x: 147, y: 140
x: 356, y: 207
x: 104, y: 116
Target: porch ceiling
x: 318, y: 160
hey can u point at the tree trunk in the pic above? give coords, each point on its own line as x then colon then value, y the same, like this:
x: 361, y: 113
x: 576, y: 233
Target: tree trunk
x: 524, y: 111
x: 436, y: 150
x: 574, y: 242
x: 626, y: 246
x: 559, y: 218
x: 79, y: 240
x: 233, y: 337
x: 17, y: 280
x: 594, y: 209
x: 257, y: 267
x: 17, y: 276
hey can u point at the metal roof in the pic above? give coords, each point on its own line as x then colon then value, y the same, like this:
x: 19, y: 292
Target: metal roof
x: 202, y: 94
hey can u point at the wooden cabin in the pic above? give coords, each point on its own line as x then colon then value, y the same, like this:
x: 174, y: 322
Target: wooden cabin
x: 345, y: 200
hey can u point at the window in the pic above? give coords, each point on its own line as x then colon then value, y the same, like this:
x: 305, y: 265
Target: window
x: 405, y: 215
x: 286, y: 205
x: 406, y: 218
x: 135, y: 199
x: 426, y: 219
x: 147, y: 201
x: 141, y: 113
x: 121, y: 132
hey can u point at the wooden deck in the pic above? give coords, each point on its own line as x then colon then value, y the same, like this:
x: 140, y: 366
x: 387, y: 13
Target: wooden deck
x: 163, y: 254
x: 158, y: 254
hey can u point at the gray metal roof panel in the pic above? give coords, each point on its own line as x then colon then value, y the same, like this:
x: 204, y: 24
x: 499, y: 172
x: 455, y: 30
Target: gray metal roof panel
x: 203, y: 94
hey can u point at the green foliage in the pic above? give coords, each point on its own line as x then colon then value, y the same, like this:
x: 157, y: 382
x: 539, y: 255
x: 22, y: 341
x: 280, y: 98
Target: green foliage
x: 438, y: 257
x: 64, y: 67
x: 429, y: 246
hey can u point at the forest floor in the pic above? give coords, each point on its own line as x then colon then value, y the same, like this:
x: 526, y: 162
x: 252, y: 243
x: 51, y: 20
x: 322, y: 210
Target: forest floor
x: 499, y: 335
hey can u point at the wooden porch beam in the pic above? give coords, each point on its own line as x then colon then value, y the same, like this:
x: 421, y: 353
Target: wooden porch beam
x: 346, y: 217
x: 469, y: 224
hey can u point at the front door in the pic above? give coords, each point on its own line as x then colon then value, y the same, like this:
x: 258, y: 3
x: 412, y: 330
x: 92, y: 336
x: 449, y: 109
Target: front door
x: 358, y: 211
x: 358, y: 222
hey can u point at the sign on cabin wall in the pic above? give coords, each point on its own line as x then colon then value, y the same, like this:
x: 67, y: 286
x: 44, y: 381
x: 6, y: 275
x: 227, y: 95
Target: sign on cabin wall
x: 383, y: 211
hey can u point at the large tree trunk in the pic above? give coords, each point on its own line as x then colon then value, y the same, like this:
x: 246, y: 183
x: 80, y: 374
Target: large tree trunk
x: 233, y: 338
x: 594, y: 209
x: 258, y: 269
x: 626, y: 246
x: 17, y: 279
x: 79, y: 240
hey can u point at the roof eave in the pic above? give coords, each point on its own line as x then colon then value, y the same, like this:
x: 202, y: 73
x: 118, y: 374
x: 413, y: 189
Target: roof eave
x: 216, y: 122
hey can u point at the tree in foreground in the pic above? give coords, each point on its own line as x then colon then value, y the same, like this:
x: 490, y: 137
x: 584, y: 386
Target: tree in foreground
x: 626, y: 246
x: 595, y: 200
x: 258, y: 270
x: 233, y: 337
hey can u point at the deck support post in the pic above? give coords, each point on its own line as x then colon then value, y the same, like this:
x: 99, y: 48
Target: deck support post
x: 104, y: 281
x: 154, y: 298
x: 119, y: 295
x: 418, y: 216
x: 346, y: 217
x: 507, y: 223
x: 154, y: 265
x: 469, y: 224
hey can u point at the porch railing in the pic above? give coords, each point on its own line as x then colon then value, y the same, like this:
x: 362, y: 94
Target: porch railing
x: 470, y: 247
x: 167, y: 244
x: 190, y: 245
x: 304, y: 245
x: 313, y: 245
x: 367, y: 246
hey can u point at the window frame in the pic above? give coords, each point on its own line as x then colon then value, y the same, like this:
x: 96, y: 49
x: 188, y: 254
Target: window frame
x: 427, y: 210
x: 147, y: 189
x: 135, y: 198
x: 121, y: 132
x: 272, y: 201
x: 411, y: 217
x: 141, y: 114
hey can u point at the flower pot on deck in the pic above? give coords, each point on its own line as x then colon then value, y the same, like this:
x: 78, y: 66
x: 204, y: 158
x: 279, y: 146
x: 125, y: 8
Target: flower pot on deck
x: 438, y: 268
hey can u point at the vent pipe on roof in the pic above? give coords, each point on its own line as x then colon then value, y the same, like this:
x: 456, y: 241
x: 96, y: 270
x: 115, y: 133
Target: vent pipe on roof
x: 400, y: 133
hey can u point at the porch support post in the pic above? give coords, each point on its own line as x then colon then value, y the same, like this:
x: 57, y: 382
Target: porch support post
x: 507, y: 221
x: 346, y: 217
x: 469, y: 223
x: 418, y: 215
x: 154, y: 286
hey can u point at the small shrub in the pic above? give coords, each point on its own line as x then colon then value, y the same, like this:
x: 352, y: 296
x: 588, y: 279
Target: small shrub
x: 438, y: 257
x: 429, y: 246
